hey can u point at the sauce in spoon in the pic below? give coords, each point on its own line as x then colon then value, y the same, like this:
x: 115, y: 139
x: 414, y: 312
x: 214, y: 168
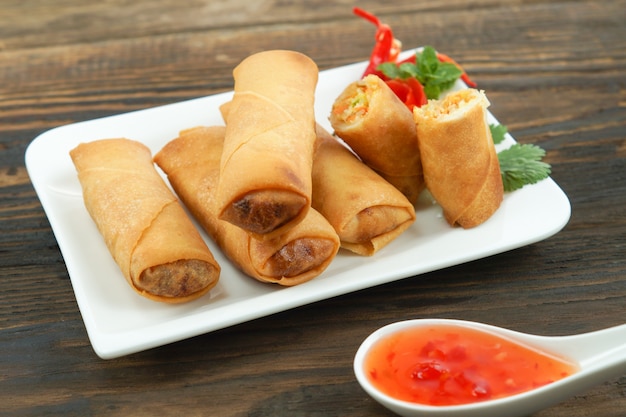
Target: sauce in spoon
x: 450, y: 365
x: 593, y: 358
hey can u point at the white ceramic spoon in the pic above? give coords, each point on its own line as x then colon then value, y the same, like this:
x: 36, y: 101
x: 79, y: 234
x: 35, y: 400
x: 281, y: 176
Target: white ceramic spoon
x: 601, y: 356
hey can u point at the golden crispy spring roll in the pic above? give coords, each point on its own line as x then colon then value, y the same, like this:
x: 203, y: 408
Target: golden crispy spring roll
x: 191, y: 163
x: 265, y: 181
x: 461, y: 167
x: 147, y: 231
x: 366, y: 211
x: 380, y: 129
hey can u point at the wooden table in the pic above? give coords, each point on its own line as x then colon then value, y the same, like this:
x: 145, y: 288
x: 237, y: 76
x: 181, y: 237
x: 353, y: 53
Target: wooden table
x: 554, y: 72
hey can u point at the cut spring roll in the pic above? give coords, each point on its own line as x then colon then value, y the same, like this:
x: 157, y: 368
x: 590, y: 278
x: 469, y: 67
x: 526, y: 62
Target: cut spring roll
x: 380, y: 129
x: 191, y: 163
x: 366, y: 211
x: 461, y: 167
x: 265, y: 181
x: 157, y: 247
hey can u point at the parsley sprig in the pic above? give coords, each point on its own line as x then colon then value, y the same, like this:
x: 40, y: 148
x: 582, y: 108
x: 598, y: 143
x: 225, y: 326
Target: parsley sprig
x: 434, y: 75
x: 520, y: 164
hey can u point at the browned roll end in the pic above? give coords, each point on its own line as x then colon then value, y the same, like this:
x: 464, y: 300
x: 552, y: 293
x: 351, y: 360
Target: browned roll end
x: 298, y: 257
x: 266, y: 211
x: 177, y: 281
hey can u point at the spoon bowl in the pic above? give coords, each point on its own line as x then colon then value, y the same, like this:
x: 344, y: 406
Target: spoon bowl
x: 600, y: 355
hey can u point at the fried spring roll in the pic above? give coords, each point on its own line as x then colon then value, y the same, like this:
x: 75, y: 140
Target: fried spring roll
x: 191, y: 163
x: 155, y: 244
x: 380, y: 129
x: 265, y: 181
x: 461, y: 167
x: 366, y: 211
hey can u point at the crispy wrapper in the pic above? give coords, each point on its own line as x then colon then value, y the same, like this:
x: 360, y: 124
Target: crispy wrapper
x: 191, y: 163
x: 366, y: 211
x: 265, y: 181
x: 461, y: 167
x: 155, y: 244
x: 372, y: 120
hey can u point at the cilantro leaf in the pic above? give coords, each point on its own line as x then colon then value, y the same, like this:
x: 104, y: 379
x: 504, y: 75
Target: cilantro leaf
x: 497, y: 133
x: 521, y: 165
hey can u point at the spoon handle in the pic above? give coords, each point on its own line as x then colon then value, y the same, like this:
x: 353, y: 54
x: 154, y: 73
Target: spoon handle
x: 601, y: 348
x: 601, y: 356
x: 587, y: 348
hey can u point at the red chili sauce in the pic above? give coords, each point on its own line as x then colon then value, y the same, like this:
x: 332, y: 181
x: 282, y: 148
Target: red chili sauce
x: 451, y: 365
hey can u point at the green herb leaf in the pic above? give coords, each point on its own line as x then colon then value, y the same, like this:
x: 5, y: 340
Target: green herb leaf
x: 445, y: 74
x: 497, y: 133
x: 408, y: 70
x: 521, y: 165
x: 427, y: 61
x: 391, y: 70
x: 434, y: 75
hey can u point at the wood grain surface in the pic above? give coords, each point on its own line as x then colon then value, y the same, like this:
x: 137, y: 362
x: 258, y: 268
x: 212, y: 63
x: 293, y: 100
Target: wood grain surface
x: 554, y: 72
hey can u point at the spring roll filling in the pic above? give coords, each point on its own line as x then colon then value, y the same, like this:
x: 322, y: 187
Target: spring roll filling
x: 355, y: 105
x: 265, y: 210
x: 298, y: 256
x: 176, y: 279
x: 452, y: 104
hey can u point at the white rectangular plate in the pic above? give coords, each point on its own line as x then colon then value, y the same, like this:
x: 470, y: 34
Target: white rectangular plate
x: 120, y: 322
